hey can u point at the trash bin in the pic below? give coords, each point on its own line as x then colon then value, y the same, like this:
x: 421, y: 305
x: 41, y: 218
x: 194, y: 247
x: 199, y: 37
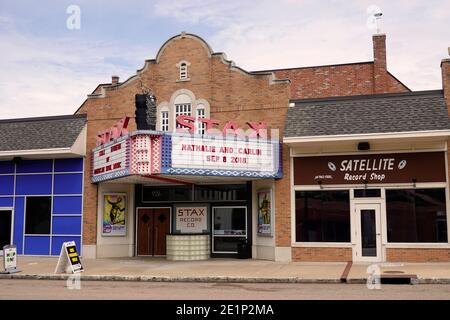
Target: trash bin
x: 244, y: 249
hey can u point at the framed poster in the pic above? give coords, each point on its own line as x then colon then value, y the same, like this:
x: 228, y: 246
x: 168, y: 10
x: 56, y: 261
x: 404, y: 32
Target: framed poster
x: 265, y: 212
x: 114, y: 214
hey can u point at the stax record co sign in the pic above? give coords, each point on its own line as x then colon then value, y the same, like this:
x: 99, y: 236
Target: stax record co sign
x: 370, y: 169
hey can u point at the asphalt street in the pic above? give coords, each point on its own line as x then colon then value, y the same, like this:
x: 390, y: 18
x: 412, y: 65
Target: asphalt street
x: 111, y: 290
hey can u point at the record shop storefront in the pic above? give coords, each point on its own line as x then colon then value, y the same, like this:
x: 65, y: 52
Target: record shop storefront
x: 193, y: 194
x: 393, y: 200
x: 372, y: 187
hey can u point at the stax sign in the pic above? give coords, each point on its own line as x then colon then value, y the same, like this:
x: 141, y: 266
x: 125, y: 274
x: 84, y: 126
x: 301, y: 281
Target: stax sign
x: 257, y: 129
x: 191, y: 219
x: 118, y: 130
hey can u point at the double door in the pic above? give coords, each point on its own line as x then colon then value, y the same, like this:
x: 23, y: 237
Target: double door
x: 153, y: 224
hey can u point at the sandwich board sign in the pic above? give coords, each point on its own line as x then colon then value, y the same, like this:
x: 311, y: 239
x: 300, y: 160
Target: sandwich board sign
x: 69, y: 260
x: 10, y: 259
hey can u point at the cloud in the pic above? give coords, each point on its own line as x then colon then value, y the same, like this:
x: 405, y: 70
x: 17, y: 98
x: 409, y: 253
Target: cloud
x: 290, y: 33
x: 52, y: 76
x: 46, y: 73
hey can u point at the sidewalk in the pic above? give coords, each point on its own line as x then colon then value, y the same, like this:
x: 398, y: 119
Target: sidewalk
x: 225, y: 270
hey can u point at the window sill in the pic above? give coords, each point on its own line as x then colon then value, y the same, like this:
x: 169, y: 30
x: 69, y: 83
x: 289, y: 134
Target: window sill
x: 184, y: 80
x: 321, y: 245
x: 417, y: 245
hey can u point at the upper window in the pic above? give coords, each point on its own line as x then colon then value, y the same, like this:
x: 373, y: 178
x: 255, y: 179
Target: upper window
x: 322, y: 216
x: 164, y: 120
x: 183, y: 70
x: 416, y: 215
x: 184, y: 109
x: 182, y: 103
x: 201, y: 126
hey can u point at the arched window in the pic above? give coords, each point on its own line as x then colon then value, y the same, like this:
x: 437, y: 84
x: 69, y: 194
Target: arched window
x: 183, y: 70
x: 182, y: 103
x: 183, y: 106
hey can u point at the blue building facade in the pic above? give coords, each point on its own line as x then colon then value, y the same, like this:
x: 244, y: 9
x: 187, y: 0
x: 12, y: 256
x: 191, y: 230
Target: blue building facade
x: 45, y: 198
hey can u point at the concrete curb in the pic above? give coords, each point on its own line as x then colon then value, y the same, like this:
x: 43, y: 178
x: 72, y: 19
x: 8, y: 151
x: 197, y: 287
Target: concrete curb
x: 413, y: 281
x: 167, y: 279
x: 205, y: 279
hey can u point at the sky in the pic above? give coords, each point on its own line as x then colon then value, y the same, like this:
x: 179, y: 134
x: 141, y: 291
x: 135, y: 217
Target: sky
x: 51, y: 57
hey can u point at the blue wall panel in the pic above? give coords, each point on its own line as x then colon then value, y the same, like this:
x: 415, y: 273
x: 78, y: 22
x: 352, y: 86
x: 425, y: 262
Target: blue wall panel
x: 34, y: 184
x: 6, y: 202
x: 58, y: 241
x: 6, y: 167
x: 35, y: 166
x: 66, y: 225
x: 18, y: 223
x: 68, y: 183
x: 37, y: 245
x: 7, y: 185
x: 67, y: 205
x: 69, y: 165
x: 28, y: 184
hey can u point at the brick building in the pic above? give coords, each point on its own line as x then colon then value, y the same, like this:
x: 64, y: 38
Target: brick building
x: 192, y: 165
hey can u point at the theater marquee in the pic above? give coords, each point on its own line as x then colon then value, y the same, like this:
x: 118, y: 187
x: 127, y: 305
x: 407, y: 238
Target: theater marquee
x: 159, y: 153
x: 224, y: 156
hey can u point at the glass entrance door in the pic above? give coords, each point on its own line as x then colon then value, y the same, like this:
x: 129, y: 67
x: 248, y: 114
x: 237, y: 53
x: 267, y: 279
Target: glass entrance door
x: 229, y: 228
x: 368, y: 232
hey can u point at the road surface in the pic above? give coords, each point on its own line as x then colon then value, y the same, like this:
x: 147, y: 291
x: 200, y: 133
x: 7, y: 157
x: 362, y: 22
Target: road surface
x: 111, y: 290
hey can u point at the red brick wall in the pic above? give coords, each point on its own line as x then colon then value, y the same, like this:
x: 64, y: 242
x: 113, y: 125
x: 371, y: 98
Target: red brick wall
x: 344, y: 80
x: 340, y: 80
x: 445, y: 68
x: 322, y: 254
x: 418, y: 255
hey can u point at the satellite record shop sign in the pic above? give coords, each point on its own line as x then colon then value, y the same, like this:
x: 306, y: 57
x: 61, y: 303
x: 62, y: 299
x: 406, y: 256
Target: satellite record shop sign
x: 370, y: 168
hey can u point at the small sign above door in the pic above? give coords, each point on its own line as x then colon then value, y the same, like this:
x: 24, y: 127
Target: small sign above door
x: 191, y: 219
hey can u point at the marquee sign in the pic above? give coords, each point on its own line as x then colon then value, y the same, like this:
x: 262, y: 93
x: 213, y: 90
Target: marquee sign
x: 208, y: 155
x: 370, y: 169
x: 231, y: 153
x: 111, y: 160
